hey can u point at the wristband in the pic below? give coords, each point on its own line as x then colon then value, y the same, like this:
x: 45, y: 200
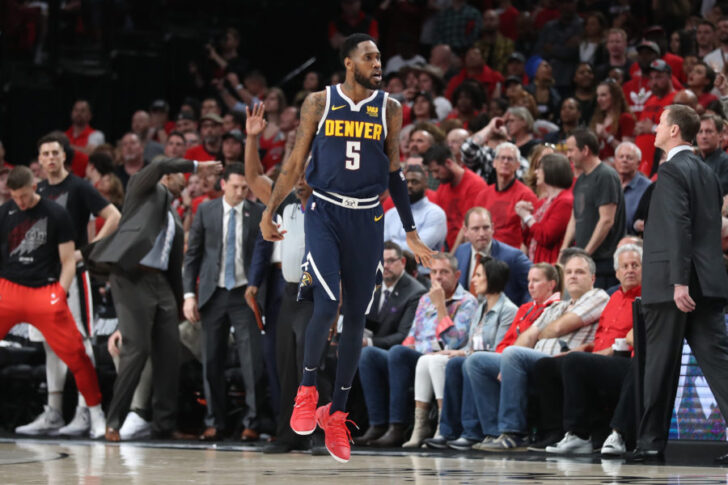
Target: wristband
x: 400, y: 197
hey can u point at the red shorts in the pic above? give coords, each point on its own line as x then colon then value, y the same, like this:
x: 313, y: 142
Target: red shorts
x: 46, y: 309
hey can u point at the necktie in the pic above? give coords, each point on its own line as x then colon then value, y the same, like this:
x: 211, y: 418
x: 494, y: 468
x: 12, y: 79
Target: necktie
x: 230, y: 253
x: 385, y: 294
x: 475, y: 267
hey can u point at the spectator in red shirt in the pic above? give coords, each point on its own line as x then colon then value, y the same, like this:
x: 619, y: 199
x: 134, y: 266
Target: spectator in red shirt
x: 508, y: 20
x: 566, y: 384
x: 612, y: 122
x: 475, y: 68
x: 159, y: 120
x: 82, y: 136
x: 662, y: 95
x: 700, y: 81
x: 501, y: 198
x: 459, y: 187
x: 637, y: 90
x: 186, y: 121
x: 544, y: 223
x: 211, y: 133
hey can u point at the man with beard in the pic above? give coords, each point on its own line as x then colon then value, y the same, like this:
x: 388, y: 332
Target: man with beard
x: 429, y: 217
x: 211, y: 133
x: 352, y: 133
x: 232, y: 147
x: 132, y: 154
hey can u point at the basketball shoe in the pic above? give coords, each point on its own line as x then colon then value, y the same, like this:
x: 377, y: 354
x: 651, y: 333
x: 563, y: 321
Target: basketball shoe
x: 303, y: 417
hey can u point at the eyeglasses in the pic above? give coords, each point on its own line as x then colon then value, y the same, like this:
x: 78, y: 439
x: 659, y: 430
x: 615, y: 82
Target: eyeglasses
x: 391, y: 260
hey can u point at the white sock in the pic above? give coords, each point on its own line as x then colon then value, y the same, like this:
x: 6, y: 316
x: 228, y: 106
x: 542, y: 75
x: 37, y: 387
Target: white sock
x: 81, y: 401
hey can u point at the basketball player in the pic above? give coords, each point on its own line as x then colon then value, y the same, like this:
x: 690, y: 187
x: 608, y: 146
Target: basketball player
x: 80, y: 200
x: 37, y: 265
x: 352, y: 131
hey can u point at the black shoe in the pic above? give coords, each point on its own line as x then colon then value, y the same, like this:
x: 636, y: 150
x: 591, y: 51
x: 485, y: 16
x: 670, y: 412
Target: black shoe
x: 318, y: 446
x: 462, y: 444
x: 438, y: 443
x: 373, y: 433
x: 549, y: 439
x: 722, y: 459
x: 645, y: 456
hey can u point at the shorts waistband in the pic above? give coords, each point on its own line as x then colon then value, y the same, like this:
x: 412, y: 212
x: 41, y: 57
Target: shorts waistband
x: 347, y: 202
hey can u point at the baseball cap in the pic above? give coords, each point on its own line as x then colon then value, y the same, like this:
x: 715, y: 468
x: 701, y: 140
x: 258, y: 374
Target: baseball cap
x: 660, y: 66
x: 159, y: 105
x: 512, y: 79
x: 236, y: 134
x: 648, y: 44
x: 212, y: 117
x: 186, y: 115
x: 517, y: 56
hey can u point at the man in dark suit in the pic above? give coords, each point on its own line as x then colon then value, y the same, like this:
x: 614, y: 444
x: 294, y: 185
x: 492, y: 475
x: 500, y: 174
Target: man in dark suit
x: 219, y: 253
x: 479, y: 233
x: 391, y: 315
x: 144, y: 260
x: 684, y: 284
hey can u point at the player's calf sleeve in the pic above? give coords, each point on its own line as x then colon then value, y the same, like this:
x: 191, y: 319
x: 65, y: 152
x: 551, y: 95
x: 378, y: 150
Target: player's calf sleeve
x: 349, y: 351
x: 400, y: 197
x: 55, y: 371
x: 317, y: 332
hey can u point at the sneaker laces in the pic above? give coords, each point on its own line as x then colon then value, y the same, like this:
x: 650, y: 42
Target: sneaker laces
x: 306, y: 401
x: 336, y: 424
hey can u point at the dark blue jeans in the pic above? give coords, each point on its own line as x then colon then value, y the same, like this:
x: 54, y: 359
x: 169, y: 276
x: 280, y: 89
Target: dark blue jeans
x: 459, y: 416
x: 386, y: 378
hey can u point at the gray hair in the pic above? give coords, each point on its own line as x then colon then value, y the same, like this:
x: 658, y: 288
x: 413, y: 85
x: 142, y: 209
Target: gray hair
x: 524, y: 114
x: 626, y: 249
x: 506, y: 145
x: 631, y: 146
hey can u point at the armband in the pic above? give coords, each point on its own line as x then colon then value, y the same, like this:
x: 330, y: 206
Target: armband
x: 400, y: 197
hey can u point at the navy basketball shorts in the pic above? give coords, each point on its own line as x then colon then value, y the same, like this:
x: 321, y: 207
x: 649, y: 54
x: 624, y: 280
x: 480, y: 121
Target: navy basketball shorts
x: 344, y: 249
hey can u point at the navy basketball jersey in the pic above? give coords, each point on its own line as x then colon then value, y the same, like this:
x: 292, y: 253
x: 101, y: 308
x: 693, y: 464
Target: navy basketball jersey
x: 348, y: 155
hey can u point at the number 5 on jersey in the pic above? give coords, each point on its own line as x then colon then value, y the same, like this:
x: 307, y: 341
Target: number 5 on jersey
x: 353, y: 158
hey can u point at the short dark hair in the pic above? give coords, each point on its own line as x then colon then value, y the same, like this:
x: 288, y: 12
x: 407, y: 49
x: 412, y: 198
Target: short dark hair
x: 351, y: 43
x: 102, y: 162
x: 394, y: 247
x: 20, y: 177
x: 717, y: 121
x: 233, y: 168
x: 685, y: 118
x: 557, y: 171
x: 707, y: 22
x: 238, y: 117
x: 572, y: 253
x: 709, y: 72
x: 496, y: 274
x: 584, y: 137
x: 415, y: 169
x: 53, y: 137
x: 437, y: 153
x: 178, y: 134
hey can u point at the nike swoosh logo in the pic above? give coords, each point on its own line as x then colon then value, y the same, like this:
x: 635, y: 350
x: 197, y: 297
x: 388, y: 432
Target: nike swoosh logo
x: 377, y: 219
x: 10, y: 213
x: 55, y: 300
x: 334, y: 108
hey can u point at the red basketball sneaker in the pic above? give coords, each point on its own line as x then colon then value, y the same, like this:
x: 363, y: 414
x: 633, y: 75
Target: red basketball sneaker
x: 303, y: 418
x: 337, y: 435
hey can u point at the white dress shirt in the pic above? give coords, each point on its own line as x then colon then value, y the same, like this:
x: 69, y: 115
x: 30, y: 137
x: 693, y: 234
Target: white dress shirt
x: 675, y: 150
x: 240, y: 278
x: 483, y: 254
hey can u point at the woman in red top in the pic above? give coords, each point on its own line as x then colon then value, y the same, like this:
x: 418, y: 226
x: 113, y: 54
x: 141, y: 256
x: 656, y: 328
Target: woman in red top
x: 545, y: 283
x: 613, y: 122
x: 544, y: 229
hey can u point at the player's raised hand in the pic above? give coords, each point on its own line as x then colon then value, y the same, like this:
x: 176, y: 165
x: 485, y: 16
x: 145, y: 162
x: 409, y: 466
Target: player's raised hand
x: 255, y: 123
x: 214, y: 166
x: 269, y: 229
x: 423, y: 254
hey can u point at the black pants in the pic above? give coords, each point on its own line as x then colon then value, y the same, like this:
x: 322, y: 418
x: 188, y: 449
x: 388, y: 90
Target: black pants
x: 223, y: 310
x: 666, y: 326
x: 148, y: 321
x: 605, y: 276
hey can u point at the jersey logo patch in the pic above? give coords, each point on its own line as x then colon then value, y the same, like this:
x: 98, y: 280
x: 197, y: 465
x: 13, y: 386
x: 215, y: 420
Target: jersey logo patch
x: 373, y: 111
x: 306, y: 279
x: 377, y: 219
x: 334, y: 108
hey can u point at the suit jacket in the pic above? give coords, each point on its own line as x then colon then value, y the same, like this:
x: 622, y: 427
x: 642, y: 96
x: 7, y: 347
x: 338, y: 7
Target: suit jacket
x: 518, y: 264
x: 205, y: 242
x: 682, y: 233
x: 145, y: 210
x: 392, y: 323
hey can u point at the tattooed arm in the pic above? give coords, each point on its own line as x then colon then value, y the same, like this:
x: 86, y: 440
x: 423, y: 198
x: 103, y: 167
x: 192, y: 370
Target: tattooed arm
x: 398, y: 185
x: 311, y: 113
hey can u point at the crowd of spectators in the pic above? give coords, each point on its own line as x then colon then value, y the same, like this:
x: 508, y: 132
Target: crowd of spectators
x: 528, y: 148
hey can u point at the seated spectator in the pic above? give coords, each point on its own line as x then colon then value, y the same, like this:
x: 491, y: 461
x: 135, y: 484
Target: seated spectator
x: 612, y: 122
x: 627, y: 159
x: 700, y: 81
x: 186, y: 122
x: 492, y: 320
x: 480, y: 245
x: 569, y: 120
x: 568, y: 324
x: 519, y: 125
x: 468, y: 100
x: 501, y: 198
x: 419, y: 142
x: 429, y: 217
x: 423, y: 108
x: 458, y: 189
x: 175, y: 146
x: 475, y: 68
x: 233, y: 120
x: 441, y: 322
x: 542, y: 89
x: 564, y: 390
x: 544, y: 223
x: 429, y: 80
x: 455, y: 139
x: 81, y: 134
x: 232, y: 147
x: 708, y: 141
x: 211, y: 134
x: 478, y: 151
x: 161, y: 125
